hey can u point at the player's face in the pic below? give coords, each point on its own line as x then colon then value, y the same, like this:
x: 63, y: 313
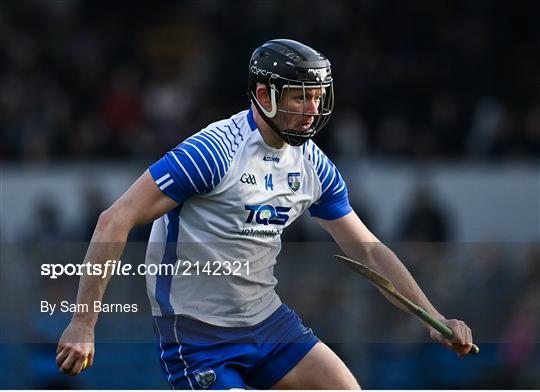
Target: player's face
x: 300, y: 101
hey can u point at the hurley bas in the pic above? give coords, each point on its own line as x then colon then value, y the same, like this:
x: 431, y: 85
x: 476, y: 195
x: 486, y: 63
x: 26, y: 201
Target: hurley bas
x: 97, y: 306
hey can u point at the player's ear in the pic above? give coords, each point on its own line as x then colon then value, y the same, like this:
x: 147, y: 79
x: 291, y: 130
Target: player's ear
x: 263, y: 96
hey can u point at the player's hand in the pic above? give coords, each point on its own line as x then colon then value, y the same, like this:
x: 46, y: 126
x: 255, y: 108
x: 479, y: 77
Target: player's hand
x: 76, y: 346
x: 461, y: 342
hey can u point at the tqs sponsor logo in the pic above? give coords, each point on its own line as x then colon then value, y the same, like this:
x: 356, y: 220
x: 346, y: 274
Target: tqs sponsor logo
x: 266, y: 214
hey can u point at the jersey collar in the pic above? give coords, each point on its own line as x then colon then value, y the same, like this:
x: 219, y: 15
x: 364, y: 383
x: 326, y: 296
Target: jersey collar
x: 251, y: 120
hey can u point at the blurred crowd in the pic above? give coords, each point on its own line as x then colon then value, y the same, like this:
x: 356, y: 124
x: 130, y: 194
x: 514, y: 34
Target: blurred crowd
x: 423, y: 79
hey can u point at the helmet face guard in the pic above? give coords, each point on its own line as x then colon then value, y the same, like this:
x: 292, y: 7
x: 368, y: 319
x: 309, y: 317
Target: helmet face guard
x: 302, y: 69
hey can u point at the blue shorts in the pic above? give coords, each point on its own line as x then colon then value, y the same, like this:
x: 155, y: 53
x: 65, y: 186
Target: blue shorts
x: 197, y: 355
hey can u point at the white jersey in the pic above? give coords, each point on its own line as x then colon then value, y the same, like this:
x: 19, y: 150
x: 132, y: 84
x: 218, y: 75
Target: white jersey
x: 236, y: 196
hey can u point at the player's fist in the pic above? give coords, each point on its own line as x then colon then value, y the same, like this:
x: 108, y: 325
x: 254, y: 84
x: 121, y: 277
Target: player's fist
x: 462, y: 341
x: 75, y: 350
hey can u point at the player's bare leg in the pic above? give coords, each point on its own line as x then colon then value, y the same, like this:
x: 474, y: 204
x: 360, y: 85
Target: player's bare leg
x: 321, y: 368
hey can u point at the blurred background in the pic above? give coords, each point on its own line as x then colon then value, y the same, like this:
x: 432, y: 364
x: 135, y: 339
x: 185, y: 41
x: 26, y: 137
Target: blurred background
x: 436, y: 131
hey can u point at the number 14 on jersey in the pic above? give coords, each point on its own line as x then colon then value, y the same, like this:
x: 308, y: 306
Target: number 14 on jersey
x: 268, y: 182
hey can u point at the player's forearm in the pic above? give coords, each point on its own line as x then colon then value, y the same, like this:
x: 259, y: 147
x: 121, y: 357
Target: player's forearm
x: 384, y: 261
x: 360, y: 244
x: 107, y: 243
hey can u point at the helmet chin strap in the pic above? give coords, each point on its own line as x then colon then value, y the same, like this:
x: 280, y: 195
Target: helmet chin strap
x: 289, y: 136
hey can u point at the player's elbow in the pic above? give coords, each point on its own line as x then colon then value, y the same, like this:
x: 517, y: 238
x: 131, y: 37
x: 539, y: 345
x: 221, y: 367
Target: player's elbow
x: 111, y: 221
x: 377, y: 253
x: 107, y: 217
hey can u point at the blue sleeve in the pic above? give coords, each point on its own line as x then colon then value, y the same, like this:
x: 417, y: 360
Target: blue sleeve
x: 334, y: 200
x: 193, y: 167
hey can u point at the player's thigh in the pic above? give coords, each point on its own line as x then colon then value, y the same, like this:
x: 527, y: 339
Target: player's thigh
x: 321, y: 368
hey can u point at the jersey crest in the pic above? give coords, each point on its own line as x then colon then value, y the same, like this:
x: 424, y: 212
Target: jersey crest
x: 293, y: 179
x: 205, y: 377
